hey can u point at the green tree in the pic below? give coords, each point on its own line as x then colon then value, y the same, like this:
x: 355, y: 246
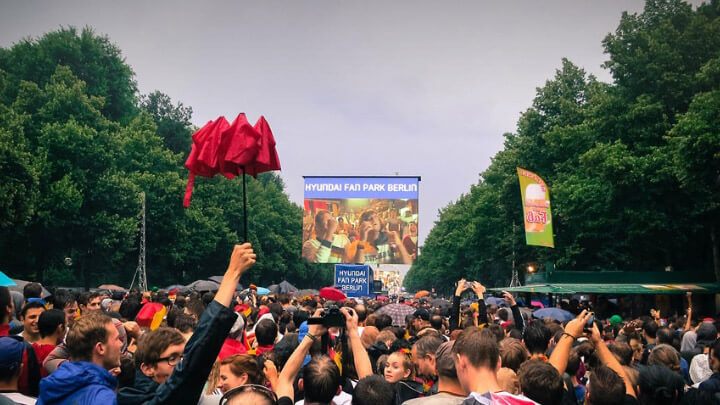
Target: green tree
x: 92, y: 58
x: 173, y: 121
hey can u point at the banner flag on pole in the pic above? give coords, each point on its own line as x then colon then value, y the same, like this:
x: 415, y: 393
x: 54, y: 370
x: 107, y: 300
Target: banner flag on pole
x: 536, y: 209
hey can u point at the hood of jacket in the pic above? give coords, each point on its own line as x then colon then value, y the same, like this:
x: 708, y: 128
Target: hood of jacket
x: 378, y: 349
x: 73, y: 378
x: 143, y: 390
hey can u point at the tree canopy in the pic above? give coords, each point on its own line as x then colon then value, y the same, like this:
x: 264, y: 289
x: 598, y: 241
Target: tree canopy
x: 78, y: 145
x: 633, y: 166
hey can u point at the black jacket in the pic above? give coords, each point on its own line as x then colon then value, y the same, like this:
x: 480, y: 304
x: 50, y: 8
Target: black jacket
x: 185, y: 384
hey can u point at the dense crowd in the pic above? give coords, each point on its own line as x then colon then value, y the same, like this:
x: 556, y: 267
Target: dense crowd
x: 225, y: 347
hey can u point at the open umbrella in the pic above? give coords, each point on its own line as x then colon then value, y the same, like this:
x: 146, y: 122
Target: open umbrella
x: 274, y: 288
x: 332, y: 294
x: 422, y: 293
x: 557, y: 314
x: 218, y: 279
x: 440, y: 303
x: 305, y: 292
x: 20, y: 285
x: 203, y: 285
x: 111, y: 287
x: 397, y: 312
x: 286, y: 288
x: 232, y: 150
x: 5, y: 281
x: 260, y: 291
x: 496, y: 301
x: 537, y: 304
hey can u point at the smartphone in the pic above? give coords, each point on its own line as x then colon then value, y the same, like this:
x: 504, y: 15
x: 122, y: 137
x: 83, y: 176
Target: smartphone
x: 589, y: 324
x: 394, y: 227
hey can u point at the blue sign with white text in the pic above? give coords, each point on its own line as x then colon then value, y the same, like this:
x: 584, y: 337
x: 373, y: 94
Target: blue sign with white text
x: 392, y: 188
x: 354, y: 280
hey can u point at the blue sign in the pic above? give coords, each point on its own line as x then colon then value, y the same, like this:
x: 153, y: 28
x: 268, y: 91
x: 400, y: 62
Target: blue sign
x: 354, y: 280
x: 391, y: 188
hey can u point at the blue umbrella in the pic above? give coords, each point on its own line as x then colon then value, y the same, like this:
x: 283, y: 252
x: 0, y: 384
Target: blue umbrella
x: 260, y: 291
x: 496, y: 301
x: 5, y: 281
x: 554, y: 313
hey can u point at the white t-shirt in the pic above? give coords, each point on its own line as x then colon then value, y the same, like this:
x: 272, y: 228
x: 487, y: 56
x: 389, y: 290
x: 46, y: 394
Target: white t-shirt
x: 19, y: 398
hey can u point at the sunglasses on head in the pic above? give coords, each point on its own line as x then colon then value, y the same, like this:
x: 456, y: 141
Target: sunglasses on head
x: 267, y: 392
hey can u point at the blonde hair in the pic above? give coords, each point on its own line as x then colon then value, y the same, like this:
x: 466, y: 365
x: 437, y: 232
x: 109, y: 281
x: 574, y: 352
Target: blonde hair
x: 407, y: 363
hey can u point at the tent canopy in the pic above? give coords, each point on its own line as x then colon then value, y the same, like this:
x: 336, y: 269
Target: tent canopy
x: 619, y: 289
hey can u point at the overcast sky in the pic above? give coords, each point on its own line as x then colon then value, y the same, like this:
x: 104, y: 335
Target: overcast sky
x: 421, y: 88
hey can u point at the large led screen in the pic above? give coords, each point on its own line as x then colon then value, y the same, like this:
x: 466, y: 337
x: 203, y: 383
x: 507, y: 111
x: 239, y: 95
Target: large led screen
x: 363, y: 220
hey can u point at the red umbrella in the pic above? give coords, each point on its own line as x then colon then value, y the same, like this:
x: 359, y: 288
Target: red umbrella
x: 422, y: 293
x: 203, y: 155
x: 332, y: 294
x: 267, y: 157
x: 235, y: 149
x: 239, y: 147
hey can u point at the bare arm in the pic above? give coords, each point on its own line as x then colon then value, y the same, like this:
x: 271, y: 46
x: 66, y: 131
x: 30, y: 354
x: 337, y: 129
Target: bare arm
x: 360, y: 355
x: 292, y: 366
x: 606, y: 356
x: 573, y: 330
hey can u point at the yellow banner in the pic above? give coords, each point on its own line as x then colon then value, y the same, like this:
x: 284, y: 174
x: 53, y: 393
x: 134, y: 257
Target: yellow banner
x: 536, y: 209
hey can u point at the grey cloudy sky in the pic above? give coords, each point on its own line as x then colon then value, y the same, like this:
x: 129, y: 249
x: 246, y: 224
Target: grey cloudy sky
x: 350, y: 88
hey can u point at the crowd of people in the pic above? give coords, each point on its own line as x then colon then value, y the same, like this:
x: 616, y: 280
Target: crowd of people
x: 225, y: 347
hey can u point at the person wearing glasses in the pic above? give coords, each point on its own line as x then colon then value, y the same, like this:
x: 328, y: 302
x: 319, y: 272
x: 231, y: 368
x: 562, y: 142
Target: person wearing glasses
x: 172, y: 372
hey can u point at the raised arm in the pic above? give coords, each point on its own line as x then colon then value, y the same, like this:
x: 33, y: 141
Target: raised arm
x: 455, y: 310
x: 292, y: 366
x: 518, y: 321
x: 482, y: 309
x: 606, y: 356
x: 573, y: 330
x: 688, y: 323
x: 360, y: 355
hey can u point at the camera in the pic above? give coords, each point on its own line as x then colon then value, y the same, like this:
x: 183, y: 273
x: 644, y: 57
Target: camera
x: 331, y: 317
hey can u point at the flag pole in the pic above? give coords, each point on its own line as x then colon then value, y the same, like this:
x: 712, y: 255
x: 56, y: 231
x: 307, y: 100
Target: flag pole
x: 245, y: 235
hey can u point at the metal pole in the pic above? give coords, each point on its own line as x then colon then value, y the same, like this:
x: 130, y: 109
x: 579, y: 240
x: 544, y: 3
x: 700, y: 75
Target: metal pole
x: 245, y: 221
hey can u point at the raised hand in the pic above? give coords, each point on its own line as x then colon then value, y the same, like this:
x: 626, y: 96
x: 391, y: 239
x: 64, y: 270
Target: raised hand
x: 242, y: 258
x: 461, y: 287
x: 317, y: 330
x: 351, y: 319
x: 478, y: 288
x: 575, y: 326
x: 509, y: 298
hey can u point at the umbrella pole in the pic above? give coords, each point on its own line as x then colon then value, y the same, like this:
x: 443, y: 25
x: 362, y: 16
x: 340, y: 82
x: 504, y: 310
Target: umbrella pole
x: 245, y: 235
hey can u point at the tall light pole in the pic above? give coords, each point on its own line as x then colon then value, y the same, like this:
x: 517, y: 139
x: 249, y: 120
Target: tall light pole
x: 140, y: 273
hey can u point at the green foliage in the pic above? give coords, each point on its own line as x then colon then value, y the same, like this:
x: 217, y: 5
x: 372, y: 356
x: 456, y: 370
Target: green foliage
x: 76, y: 153
x: 632, y: 166
x: 173, y: 122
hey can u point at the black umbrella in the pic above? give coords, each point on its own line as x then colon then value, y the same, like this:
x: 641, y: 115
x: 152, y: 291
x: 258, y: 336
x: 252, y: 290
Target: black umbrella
x: 203, y: 285
x: 286, y: 288
x: 302, y: 293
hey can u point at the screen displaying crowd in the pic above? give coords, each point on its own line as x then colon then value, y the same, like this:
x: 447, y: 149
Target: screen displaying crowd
x: 229, y: 347
x: 362, y: 231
